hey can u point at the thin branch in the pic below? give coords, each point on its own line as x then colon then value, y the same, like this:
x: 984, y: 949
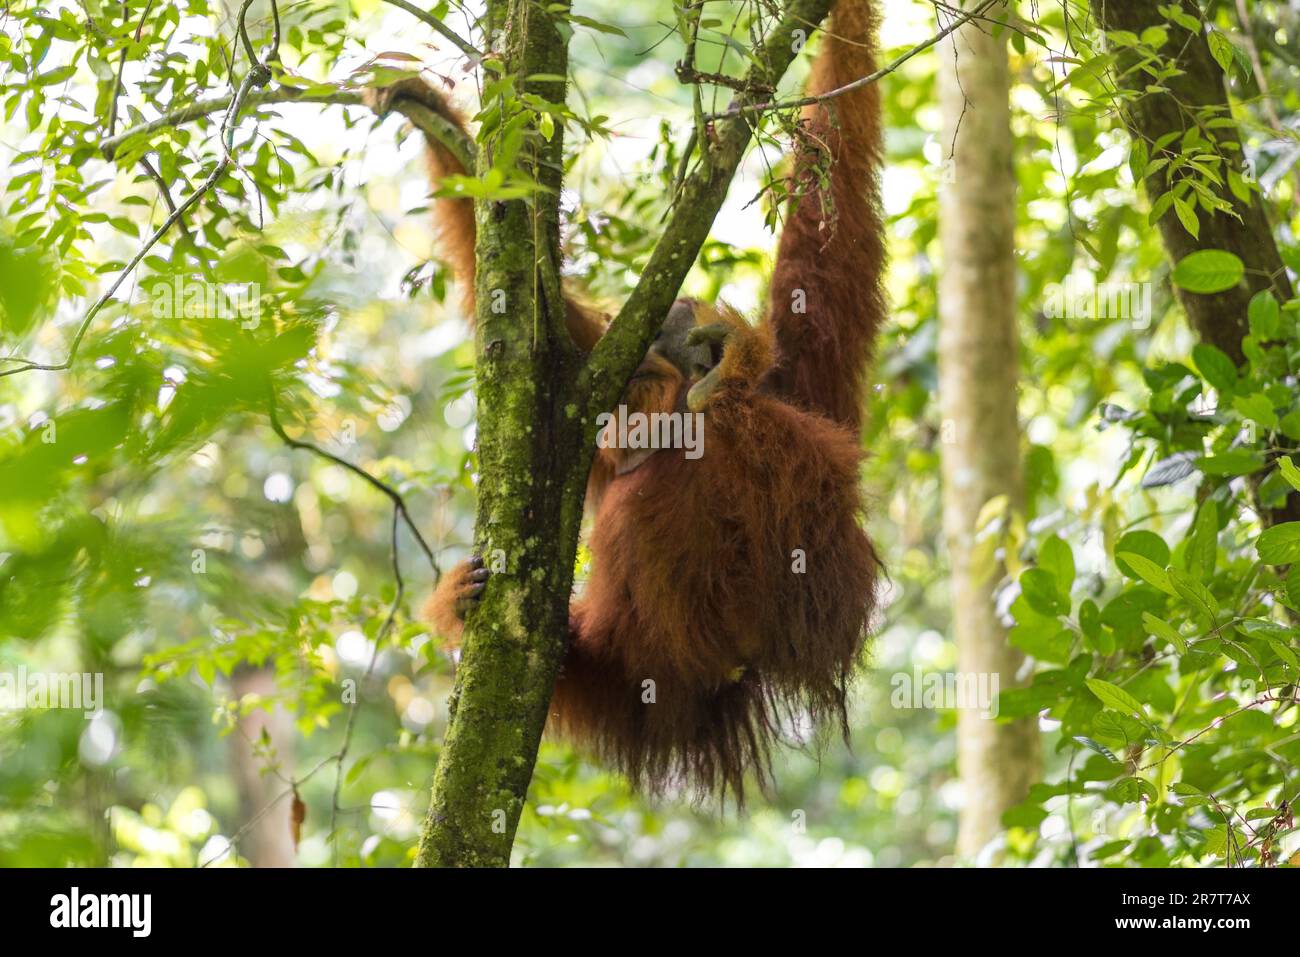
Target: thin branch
x: 380, y: 637
x: 399, y: 503
x: 117, y: 92
x: 1262, y: 699
x: 266, y: 809
x: 121, y: 63
x: 447, y: 133
x: 427, y: 121
x: 166, y: 195
x: 1261, y: 78
x: 242, y: 30
x: 236, y: 103
x: 862, y: 81
x: 464, y: 46
x: 272, y: 54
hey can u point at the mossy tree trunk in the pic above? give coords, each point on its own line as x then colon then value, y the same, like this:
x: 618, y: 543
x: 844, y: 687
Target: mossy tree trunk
x: 532, y: 465
x: 538, y: 399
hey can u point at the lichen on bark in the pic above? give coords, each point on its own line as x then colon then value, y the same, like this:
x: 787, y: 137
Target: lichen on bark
x: 531, y: 457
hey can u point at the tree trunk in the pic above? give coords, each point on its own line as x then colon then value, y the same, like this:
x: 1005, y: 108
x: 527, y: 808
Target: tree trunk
x: 533, y: 464
x: 268, y: 842
x: 1218, y: 319
x: 978, y: 371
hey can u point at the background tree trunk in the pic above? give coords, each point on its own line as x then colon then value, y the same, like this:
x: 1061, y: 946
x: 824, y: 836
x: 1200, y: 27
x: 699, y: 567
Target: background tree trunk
x: 978, y: 371
x: 1219, y: 319
x: 269, y: 840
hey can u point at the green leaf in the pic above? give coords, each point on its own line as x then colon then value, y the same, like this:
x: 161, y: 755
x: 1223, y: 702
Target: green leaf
x: 1265, y: 315
x: 1144, y: 543
x: 1131, y: 791
x: 1042, y: 592
x: 1283, y: 651
x: 1186, y: 216
x: 1137, y: 160
x: 1159, y: 629
x: 1202, y: 545
x: 1221, y: 49
x: 1291, y: 424
x: 1216, y: 841
x: 1215, y: 367
x: 1289, y: 471
x: 1239, y: 185
x: 1234, y: 462
x: 1208, y: 270
x: 1115, y: 697
x: 1192, y: 591
x: 597, y: 25
x: 1148, y: 571
x: 1257, y: 407
x: 57, y: 75
x: 1057, y: 558
x: 1109, y: 849
x: 1280, y: 545
x: 1293, y: 586
x: 1160, y: 207
x: 1181, y: 17
x: 1155, y: 36
x: 1026, y: 815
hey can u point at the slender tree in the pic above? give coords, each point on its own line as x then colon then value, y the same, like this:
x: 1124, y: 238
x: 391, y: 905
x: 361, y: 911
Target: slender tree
x: 978, y: 372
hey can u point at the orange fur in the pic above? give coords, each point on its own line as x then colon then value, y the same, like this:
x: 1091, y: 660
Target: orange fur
x: 832, y: 254
x: 454, y: 217
x: 749, y: 351
x: 699, y: 637
x: 441, y: 611
x: 694, y: 588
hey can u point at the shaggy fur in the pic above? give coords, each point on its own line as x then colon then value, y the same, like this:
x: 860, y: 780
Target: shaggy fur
x: 694, y: 587
x: 454, y: 216
x: 834, y: 253
x: 700, y: 638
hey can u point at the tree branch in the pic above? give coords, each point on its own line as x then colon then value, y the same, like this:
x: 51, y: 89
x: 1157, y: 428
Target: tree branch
x: 166, y: 195
x: 427, y: 121
x: 464, y: 46
x: 533, y: 460
x: 258, y: 74
x: 863, y: 81
x: 394, y: 496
